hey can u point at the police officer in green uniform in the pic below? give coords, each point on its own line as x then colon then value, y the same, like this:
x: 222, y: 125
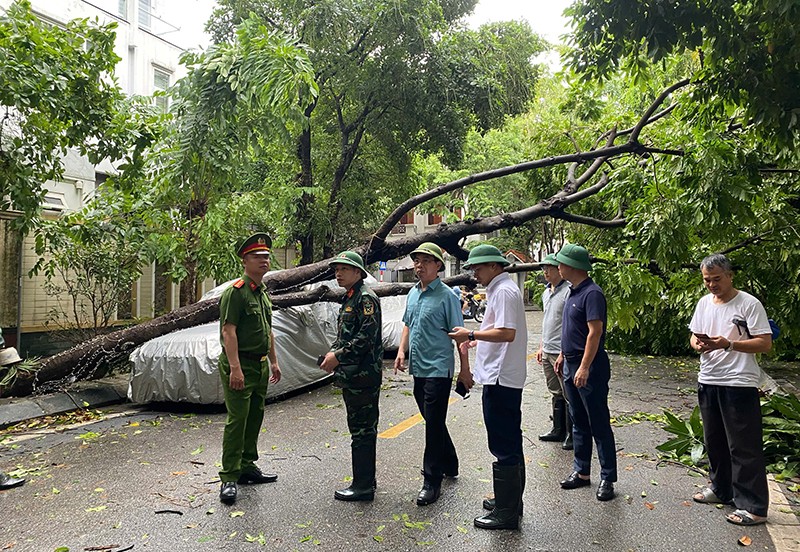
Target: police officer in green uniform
x: 247, y: 343
x: 355, y: 359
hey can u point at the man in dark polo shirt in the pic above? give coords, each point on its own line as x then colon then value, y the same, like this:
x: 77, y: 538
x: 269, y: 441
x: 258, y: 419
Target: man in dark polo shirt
x: 584, y: 365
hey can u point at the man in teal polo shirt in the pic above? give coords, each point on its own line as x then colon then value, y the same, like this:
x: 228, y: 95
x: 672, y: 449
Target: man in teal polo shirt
x: 432, y: 310
x: 247, y: 342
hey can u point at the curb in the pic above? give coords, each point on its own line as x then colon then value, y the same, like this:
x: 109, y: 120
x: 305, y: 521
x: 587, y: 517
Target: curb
x: 88, y: 394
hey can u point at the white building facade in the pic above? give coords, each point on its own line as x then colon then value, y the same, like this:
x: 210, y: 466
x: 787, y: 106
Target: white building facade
x: 146, y: 44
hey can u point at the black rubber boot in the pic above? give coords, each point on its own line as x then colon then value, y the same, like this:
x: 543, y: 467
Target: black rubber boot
x: 567, y: 445
x: 364, y: 484
x: 559, y: 412
x: 507, y: 492
x: 489, y: 503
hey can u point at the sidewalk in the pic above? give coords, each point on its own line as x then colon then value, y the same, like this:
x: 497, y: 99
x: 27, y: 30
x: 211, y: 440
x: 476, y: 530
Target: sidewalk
x: 85, y: 394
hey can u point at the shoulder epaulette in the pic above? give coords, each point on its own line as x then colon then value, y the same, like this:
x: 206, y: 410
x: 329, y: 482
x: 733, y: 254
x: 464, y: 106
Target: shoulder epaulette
x: 238, y: 283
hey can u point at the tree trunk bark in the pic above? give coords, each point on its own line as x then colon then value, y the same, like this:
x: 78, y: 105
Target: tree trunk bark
x: 304, y: 217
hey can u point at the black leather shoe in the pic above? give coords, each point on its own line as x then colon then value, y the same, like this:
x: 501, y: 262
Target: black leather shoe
x: 8, y: 482
x: 256, y: 476
x: 605, y: 491
x: 574, y: 481
x: 428, y: 495
x: 228, y: 492
x: 354, y: 495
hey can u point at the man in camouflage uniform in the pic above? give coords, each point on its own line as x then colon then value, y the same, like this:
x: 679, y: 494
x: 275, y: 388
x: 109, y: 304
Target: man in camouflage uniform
x: 247, y: 342
x: 356, y: 358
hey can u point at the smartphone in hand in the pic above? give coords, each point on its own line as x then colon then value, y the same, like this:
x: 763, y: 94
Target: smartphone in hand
x: 462, y: 390
x: 701, y: 336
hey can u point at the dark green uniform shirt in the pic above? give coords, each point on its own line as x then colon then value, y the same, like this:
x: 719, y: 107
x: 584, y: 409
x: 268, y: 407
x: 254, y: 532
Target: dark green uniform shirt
x: 249, y: 308
x: 359, y: 346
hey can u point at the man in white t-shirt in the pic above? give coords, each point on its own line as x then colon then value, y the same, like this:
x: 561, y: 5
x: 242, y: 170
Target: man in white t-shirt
x: 500, y: 368
x: 728, y: 328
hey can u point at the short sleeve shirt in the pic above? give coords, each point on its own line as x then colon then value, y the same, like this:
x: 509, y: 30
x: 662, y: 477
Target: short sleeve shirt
x: 249, y: 308
x: 729, y: 368
x: 429, y: 315
x: 503, y: 363
x: 585, y: 302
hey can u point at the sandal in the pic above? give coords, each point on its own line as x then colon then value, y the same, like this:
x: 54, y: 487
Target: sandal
x: 709, y: 497
x: 745, y: 518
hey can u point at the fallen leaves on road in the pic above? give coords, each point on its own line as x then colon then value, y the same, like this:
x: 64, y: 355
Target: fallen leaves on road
x: 744, y: 540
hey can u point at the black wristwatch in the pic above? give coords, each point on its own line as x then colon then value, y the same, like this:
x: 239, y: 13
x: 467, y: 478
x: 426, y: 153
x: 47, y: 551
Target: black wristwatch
x: 471, y: 335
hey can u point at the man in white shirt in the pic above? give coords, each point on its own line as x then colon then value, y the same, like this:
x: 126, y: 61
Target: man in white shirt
x: 500, y: 368
x: 728, y: 328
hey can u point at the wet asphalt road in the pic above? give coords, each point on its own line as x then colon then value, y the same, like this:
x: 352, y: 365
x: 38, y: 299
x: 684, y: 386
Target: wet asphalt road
x: 105, y: 483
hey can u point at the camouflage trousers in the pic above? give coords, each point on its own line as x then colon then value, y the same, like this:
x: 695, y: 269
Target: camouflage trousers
x: 362, y: 415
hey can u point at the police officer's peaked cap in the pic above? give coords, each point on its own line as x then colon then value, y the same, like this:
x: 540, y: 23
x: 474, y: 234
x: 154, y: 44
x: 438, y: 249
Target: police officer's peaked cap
x: 574, y: 256
x: 350, y: 258
x: 257, y: 243
x: 485, y: 253
x: 549, y: 260
x: 430, y: 248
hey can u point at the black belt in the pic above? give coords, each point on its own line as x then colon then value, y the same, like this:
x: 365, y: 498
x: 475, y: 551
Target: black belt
x: 573, y: 356
x: 252, y: 356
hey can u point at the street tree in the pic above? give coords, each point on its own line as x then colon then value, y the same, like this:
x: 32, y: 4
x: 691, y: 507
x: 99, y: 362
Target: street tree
x: 395, y: 79
x: 198, y: 188
x: 56, y: 92
x: 734, y: 185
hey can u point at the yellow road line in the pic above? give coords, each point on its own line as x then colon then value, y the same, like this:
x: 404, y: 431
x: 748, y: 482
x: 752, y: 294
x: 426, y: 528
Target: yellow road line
x: 408, y: 423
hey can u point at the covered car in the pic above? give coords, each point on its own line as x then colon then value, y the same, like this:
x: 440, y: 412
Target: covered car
x: 182, y: 366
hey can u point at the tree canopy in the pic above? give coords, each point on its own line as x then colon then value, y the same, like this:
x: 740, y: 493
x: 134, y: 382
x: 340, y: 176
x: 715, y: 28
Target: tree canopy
x: 56, y: 92
x: 747, y: 55
x: 395, y: 79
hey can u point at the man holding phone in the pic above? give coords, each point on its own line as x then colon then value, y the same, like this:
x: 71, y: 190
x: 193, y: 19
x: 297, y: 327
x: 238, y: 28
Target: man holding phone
x: 432, y: 309
x: 500, y: 367
x: 727, y: 392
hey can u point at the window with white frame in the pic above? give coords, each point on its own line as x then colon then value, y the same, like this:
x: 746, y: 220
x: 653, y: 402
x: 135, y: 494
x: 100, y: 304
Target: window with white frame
x: 160, y: 84
x: 54, y: 201
x: 145, y: 14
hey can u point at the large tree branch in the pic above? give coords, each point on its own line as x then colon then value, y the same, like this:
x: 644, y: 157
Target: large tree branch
x: 77, y: 362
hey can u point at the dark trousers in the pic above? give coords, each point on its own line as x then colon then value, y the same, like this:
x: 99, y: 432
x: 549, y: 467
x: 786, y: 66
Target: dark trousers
x: 502, y: 415
x: 588, y: 407
x: 732, y: 432
x: 362, y: 415
x: 432, y: 396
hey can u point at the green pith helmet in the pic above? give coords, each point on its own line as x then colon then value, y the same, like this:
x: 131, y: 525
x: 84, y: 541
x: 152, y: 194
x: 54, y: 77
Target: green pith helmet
x: 257, y: 243
x: 485, y: 253
x: 550, y: 260
x: 350, y: 258
x: 574, y: 256
x: 430, y: 248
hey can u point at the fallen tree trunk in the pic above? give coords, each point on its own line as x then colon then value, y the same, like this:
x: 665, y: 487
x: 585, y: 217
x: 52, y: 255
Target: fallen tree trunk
x: 81, y: 361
